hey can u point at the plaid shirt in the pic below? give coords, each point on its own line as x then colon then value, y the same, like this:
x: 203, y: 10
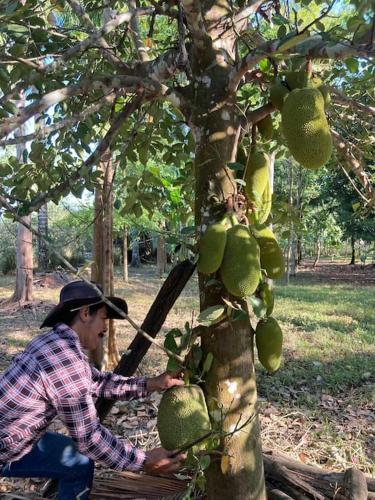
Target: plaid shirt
x: 53, y: 377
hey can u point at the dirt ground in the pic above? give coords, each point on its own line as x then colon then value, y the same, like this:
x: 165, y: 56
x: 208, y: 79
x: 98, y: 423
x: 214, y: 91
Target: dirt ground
x: 284, y: 427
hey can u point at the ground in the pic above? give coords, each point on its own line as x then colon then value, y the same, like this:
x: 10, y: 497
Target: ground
x: 319, y: 407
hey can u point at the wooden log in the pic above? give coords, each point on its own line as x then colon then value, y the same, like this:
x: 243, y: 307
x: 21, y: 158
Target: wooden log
x: 355, y: 485
x: 277, y: 495
x: 163, y: 303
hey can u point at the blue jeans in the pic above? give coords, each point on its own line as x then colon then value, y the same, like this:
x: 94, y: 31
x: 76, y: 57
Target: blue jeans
x: 55, y: 456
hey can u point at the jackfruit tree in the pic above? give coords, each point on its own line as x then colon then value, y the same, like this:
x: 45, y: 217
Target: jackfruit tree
x: 192, y: 77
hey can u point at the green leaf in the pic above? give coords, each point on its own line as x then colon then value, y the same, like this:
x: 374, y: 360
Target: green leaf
x: 208, y: 362
x: 204, y: 461
x: 173, y: 365
x: 239, y: 315
x: 281, y: 32
x: 264, y: 65
x: 320, y: 26
x: 170, y: 342
x: 352, y: 64
x: 235, y: 166
x: 259, y: 307
x: 188, y: 230
x: 211, y: 315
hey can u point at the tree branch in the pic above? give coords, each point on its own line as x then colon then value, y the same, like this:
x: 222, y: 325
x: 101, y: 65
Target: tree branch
x: 314, y: 47
x: 355, y: 165
x: 42, y: 198
x: 135, y: 32
x: 45, y: 131
x: 76, y: 49
x: 195, y: 22
x: 125, y: 83
x: 341, y: 98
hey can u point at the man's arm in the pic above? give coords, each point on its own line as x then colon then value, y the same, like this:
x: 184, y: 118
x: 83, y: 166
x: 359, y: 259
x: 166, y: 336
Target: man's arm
x: 112, y: 386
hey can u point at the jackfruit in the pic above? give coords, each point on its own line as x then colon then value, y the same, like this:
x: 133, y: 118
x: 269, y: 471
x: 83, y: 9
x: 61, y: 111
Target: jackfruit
x: 266, y: 205
x: 278, y: 93
x: 265, y: 128
x: 269, y: 342
x: 240, y: 269
x: 182, y: 416
x: 305, y: 127
x: 324, y: 90
x: 211, y: 248
x: 257, y: 174
x: 271, y: 256
x: 266, y: 294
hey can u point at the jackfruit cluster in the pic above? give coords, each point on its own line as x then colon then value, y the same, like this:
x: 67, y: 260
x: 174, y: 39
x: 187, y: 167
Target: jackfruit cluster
x: 182, y: 417
x: 305, y: 127
x: 269, y: 342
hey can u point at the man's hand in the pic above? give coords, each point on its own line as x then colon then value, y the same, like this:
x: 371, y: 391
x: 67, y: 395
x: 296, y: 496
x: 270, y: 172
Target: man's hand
x: 158, y: 461
x: 164, y: 381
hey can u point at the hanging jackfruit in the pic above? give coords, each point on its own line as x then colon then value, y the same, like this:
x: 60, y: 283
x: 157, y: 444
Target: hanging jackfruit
x: 182, y: 416
x: 305, y: 127
x: 211, y: 247
x: 266, y: 294
x: 266, y: 205
x: 240, y: 269
x: 265, y: 128
x: 269, y: 342
x: 257, y: 174
x: 271, y: 256
x: 295, y: 79
x: 278, y: 93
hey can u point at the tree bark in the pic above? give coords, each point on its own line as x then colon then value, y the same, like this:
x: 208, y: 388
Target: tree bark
x: 352, y: 242
x: 43, y: 230
x: 24, y: 257
x: 136, y: 260
x: 318, y: 250
x: 161, y: 256
x: 125, y: 256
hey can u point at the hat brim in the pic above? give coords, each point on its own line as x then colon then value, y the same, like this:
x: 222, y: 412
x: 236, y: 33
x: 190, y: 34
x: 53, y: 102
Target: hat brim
x: 56, y: 315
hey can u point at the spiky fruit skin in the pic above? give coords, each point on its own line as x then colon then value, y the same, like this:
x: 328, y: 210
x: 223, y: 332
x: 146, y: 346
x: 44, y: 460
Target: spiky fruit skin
x: 257, y: 174
x: 182, y: 416
x: 266, y: 205
x: 265, y: 128
x: 211, y: 248
x: 240, y: 269
x: 278, y: 93
x: 305, y: 127
x: 271, y: 256
x: 269, y: 342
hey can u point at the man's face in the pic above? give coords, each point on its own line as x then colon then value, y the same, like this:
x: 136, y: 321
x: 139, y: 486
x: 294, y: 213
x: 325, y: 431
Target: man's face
x: 95, y: 327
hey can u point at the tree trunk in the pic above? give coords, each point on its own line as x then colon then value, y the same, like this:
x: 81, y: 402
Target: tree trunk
x: 230, y: 383
x: 352, y: 261
x: 24, y: 246
x: 318, y: 250
x: 125, y: 256
x: 136, y: 261
x: 24, y: 257
x: 102, y: 268
x: 289, y: 253
x: 161, y: 255
x: 43, y: 230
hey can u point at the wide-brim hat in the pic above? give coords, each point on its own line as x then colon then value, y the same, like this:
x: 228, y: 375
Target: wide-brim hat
x: 77, y: 294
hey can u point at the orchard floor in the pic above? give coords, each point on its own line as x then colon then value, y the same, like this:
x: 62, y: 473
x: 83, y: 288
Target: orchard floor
x: 319, y: 407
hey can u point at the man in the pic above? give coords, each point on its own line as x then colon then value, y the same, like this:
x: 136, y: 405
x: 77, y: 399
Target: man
x: 52, y: 377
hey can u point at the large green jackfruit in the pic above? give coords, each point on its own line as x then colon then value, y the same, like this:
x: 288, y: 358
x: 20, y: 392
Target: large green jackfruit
x: 257, y: 174
x: 266, y: 204
x: 278, y: 93
x: 305, y: 127
x: 265, y: 128
x: 182, y: 416
x: 211, y: 248
x: 240, y: 269
x: 295, y: 79
x: 266, y: 294
x: 271, y: 256
x: 269, y: 342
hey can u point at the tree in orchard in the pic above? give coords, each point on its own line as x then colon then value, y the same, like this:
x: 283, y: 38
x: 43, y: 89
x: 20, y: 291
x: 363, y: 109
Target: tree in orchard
x: 102, y: 79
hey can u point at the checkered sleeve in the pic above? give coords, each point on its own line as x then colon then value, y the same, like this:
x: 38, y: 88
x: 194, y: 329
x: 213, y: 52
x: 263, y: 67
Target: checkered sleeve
x: 113, y: 386
x: 93, y: 439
